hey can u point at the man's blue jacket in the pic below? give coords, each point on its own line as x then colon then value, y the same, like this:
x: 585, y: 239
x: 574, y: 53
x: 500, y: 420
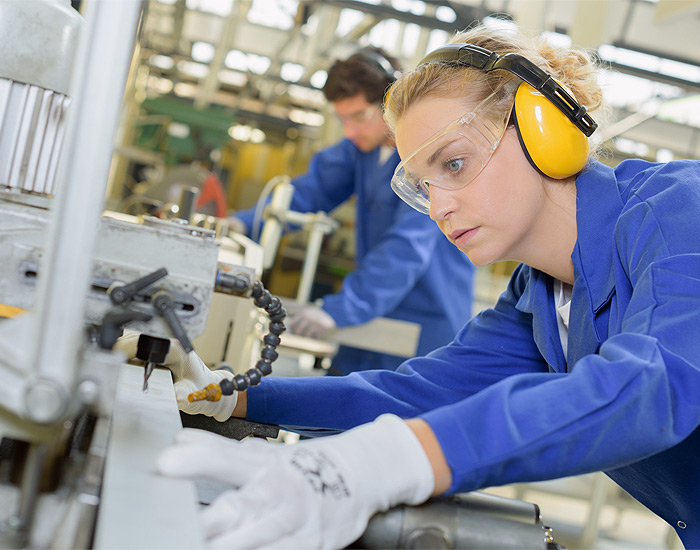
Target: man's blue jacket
x: 405, y: 267
x: 504, y: 402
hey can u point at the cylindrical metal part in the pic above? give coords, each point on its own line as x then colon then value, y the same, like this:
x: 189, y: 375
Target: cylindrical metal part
x: 36, y: 58
x: 232, y: 283
x: 39, y: 41
x: 449, y: 523
x: 308, y: 270
x: 272, y: 232
x: 508, y: 508
x: 29, y: 492
x: 188, y: 198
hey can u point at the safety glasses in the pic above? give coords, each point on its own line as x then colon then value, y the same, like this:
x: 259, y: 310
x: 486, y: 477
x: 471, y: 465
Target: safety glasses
x: 455, y: 155
x: 359, y: 117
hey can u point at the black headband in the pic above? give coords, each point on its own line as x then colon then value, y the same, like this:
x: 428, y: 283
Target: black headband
x: 391, y: 72
x: 481, y: 58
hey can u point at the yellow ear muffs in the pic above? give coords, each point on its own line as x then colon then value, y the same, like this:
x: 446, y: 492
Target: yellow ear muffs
x: 551, y: 142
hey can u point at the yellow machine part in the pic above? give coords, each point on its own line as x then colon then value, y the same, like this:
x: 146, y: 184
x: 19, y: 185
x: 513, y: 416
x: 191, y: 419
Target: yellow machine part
x: 10, y: 311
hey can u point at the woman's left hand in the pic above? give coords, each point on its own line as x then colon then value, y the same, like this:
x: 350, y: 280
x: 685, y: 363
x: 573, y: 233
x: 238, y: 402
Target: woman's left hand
x: 313, y: 494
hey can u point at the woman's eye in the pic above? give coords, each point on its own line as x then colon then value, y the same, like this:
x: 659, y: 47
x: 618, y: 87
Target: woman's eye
x: 454, y: 165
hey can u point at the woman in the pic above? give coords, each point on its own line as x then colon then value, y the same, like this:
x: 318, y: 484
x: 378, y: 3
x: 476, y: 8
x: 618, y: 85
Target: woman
x: 589, y: 361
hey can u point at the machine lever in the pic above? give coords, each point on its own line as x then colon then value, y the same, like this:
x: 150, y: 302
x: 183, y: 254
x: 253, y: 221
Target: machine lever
x: 113, y: 322
x: 164, y: 306
x: 122, y: 294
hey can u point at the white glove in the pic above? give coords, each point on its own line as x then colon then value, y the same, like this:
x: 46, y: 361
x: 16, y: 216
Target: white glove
x: 190, y: 374
x: 312, y: 321
x: 314, y: 494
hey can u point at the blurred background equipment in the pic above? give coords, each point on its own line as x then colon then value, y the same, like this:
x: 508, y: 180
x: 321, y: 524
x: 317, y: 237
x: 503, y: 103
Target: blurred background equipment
x: 234, y: 87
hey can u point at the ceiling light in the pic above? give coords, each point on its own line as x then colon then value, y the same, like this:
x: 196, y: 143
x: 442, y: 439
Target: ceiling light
x: 162, y: 62
x: 185, y: 89
x: 318, y: 79
x: 291, y: 72
x: 649, y: 63
x: 190, y: 68
x: 202, y: 52
x: 232, y: 78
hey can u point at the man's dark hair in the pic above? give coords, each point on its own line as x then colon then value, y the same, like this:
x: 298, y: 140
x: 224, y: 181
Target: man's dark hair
x: 369, y: 71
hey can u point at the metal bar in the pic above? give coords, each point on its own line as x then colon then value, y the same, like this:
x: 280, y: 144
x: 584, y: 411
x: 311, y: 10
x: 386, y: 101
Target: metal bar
x: 41, y: 182
x: 11, y: 124
x: 139, y: 508
x: 29, y: 116
x: 466, y: 16
x: 308, y: 270
x: 37, y: 144
x: 97, y: 85
x: 60, y: 115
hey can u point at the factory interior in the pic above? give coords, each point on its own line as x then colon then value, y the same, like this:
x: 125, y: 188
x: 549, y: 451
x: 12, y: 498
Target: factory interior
x: 157, y: 121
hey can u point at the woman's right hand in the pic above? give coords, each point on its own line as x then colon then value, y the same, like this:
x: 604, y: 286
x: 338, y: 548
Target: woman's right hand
x: 190, y: 374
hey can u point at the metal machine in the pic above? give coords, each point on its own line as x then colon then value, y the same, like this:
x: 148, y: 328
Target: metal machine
x: 78, y: 433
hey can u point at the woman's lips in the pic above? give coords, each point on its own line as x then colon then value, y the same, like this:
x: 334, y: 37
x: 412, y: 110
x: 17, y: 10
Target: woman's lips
x: 462, y: 236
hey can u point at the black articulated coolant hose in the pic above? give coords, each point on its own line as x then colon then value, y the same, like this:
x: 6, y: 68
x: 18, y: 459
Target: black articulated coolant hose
x: 239, y: 284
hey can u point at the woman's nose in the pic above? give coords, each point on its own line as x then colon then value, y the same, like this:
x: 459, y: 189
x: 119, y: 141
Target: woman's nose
x: 442, y: 203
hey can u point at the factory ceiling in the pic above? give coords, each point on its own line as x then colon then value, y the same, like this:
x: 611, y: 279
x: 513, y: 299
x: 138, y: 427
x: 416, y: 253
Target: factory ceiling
x: 264, y: 61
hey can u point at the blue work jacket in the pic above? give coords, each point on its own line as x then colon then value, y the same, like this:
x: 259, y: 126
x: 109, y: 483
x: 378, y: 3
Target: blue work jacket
x: 504, y: 402
x: 405, y: 267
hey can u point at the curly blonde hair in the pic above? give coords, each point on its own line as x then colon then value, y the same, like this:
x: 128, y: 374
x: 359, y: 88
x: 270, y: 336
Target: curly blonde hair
x: 572, y: 68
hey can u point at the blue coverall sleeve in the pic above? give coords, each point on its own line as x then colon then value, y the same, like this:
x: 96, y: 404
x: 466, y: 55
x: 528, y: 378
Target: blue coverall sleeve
x: 327, y: 183
x: 637, y: 396
x: 444, y: 377
x: 387, y: 272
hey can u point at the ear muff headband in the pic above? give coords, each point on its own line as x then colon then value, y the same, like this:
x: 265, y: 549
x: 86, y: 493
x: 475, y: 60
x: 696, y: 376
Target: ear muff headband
x: 552, y: 126
x: 391, y: 72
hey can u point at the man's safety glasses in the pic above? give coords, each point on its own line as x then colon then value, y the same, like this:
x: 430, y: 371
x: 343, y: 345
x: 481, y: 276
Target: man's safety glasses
x: 454, y: 156
x: 359, y: 117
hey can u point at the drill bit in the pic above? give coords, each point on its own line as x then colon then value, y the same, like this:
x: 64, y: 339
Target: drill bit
x: 148, y: 370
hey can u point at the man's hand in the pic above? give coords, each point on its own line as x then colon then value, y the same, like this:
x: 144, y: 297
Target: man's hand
x: 237, y: 225
x: 312, y: 322
x: 314, y: 494
x: 190, y: 374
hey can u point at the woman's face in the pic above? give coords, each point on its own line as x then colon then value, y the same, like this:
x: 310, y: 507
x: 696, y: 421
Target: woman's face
x: 495, y: 216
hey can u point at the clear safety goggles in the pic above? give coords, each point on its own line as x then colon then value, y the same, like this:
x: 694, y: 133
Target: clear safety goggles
x: 455, y: 155
x: 360, y: 117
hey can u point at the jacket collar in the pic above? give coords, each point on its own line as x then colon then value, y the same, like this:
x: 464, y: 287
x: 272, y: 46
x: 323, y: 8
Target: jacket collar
x: 598, y: 206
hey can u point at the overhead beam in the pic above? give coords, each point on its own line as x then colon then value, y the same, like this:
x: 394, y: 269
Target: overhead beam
x: 466, y: 15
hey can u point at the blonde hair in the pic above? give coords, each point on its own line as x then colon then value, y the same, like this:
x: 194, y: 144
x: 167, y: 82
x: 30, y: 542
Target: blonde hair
x: 572, y: 68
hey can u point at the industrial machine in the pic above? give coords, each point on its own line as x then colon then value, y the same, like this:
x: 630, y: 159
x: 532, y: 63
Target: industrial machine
x: 79, y: 428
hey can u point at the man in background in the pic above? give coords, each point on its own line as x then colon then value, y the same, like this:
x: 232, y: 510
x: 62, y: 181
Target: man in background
x: 405, y: 268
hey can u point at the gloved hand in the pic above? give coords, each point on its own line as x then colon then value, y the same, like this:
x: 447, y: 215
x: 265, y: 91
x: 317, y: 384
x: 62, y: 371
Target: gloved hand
x: 314, y: 494
x: 312, y: 321
x: 190, y: 374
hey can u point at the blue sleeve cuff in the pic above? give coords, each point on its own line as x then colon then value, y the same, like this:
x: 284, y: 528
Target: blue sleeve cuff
x: 256, y: 408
